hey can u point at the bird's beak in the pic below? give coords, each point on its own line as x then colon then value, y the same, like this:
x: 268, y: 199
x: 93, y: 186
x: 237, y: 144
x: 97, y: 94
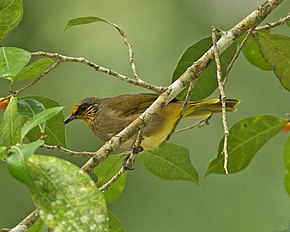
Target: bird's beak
x: 69, y: 119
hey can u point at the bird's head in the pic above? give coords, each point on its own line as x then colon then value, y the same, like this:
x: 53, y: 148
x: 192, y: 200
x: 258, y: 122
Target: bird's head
x: 84, y: 109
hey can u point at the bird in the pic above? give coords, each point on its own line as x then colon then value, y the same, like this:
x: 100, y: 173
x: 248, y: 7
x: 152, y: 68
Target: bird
x: 110, y: 115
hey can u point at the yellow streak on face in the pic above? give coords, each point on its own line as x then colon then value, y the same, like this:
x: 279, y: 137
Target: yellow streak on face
x: 74, y: 110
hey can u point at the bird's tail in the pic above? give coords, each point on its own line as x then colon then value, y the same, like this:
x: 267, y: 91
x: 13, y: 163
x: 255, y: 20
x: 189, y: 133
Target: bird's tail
x: 205, y: 108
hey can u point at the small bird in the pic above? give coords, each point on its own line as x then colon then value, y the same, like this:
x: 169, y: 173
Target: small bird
x: 108, y: 116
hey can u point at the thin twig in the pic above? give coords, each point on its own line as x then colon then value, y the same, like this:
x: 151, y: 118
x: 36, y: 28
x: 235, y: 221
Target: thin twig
x: 113, y: 180
x: 58, y: 62
x: 131, y: 54
x: 235, y: 57
x: 182, y: 112
x: 274, y: 24
x: 44, y: 73
x: 223, y: 100
x: 71, y: 152
x: 200, y: 123
x: 81, y: 60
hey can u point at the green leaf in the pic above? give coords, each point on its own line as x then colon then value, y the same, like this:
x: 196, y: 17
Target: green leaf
x: 284, y: 228
x: 87, y: 20
x: 38, y: 226
x: 66, y: 197
x: 10, y: 125
x: 288, y: 23
x: 170, y: 162
x: 32, y: 70
x: 114, y: 223
x: 275, y: 50
x: 253, y: 54
x: 54, y: 127
x: 3, y: 153
x: 17, y: 158
x: 245, y: 139
x: 287, y: 182
x: 39, y: 119
x: 10, y: 16
x: 12, y: 61
x: 207, y: 82
x: 105, y: 171
x: 287, y: 154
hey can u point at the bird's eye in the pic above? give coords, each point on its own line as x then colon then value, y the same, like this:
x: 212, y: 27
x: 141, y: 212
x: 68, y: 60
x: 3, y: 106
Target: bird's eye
x: 82, y: 108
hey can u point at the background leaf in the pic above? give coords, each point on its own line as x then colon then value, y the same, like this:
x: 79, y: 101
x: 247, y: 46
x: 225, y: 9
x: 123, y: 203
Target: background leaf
x: 10, y: 125
x: 17, y: 159
x: 67, y: 198
x: 245, y: 139
x: 87, y: 20
x: 287, y: 153
x: 38, y: 226
x: 253, y: 53
x: 39, y: 119
x: 54, y: 127
x: 275, y: 49
x: 12, y: 61
x: 170, y: 162
x: 207, y: 82
x: 105, y: 171
x: 11, y: 15
x: 115, y: 224
x: 33, y: 70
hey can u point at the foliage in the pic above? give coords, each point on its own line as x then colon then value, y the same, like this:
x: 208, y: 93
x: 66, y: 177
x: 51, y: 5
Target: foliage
x: 67, y: 198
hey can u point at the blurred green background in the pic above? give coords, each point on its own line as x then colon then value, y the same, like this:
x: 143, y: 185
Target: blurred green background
x: 252, y: 200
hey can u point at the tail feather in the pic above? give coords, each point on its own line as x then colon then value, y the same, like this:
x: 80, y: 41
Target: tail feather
x: 207, y: 107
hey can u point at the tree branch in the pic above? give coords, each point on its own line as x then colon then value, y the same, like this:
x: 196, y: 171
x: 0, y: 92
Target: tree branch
x: 223, y: 99
x: 81, y: 60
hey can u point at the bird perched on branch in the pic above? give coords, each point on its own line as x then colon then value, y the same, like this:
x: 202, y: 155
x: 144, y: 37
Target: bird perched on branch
x: 108, y: 116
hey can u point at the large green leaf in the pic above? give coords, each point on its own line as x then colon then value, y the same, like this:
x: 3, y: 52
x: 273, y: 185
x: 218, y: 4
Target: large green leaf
x: 287, y: 164
x: 275, y: 50
x: 207, y: 82
x: 115, y: 224
x: 87, y: 20
x: 283, y: 228
x: 66, y: 197
x: 287, y: 153
x: 170, y: 162
x: 38, y: 119
x: 54, y: 127
x: 245, y: 139
x: 18, y: 156
x: 11, y: 12
x: 3, y: 153
x: 105, y: 171
x: 10, y: 125
x: 38, y: 226
x: 12, y: 61
x: 33, y: 70
x: 253, y: 54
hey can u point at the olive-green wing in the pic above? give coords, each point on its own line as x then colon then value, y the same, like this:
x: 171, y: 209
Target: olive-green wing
x: 131, y: 104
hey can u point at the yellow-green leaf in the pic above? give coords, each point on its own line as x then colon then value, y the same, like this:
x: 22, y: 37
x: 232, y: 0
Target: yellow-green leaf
x: 170, y: 162
x: 275, y: 50
x: 245, y: 139
x: 11, y: 12
x: 10, y: 125
x: 12, y: 61
x: 105, y: 171
x: 32, y: 70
